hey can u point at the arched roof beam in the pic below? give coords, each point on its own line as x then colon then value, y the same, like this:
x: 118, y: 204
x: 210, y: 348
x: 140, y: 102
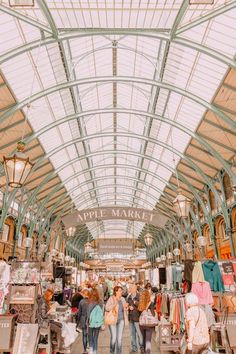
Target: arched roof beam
x: 16, y: 14
x: 111, y: 79
x: 117, y: 31
x: 165, y: 120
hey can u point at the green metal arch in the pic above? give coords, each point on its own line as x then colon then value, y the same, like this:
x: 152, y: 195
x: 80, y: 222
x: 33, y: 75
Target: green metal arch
x: 165, y: 120
x: 112, y: 79
x: 130, y: 32
x: 34, y: 194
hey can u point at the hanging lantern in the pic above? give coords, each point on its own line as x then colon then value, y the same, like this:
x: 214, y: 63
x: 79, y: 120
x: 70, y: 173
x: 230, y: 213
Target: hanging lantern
x: 27, y: 242
x: 87, y: 247
x: 17, y: 167
x: 67, y: 258
x: 188, y: 247
x: 201, y: 241
x: 158, y: 260
x: 72, y: 260
x: 169, y: 255
x: 176, y: 251
x: 70, y: 232
x: 148, y: 239
x: 163, y: 257
x: 181, y: 204
x: 53, y: 252
x: 61, y: 256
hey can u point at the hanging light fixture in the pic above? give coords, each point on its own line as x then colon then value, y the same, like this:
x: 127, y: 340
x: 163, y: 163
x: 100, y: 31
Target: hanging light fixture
x: 176, y: 251
x: 67, y: 258
x: 72, y: 260
x: 188, y: 247
x: 17, y: 167
x: 201, y: 241
x: 70, y: 232
x: 27, y: 242
x: 163, y: 257
x: 148, y: 239
x: 87, y: 247
x: 181, y: 204
x: 158, y: 260
x: 169, y: 255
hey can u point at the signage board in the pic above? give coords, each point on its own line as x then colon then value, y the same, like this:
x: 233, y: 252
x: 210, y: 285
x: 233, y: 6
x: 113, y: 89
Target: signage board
x: 122, y: 213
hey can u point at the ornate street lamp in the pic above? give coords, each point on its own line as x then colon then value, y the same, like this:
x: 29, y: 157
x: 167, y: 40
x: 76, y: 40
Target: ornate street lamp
x: 70, y: 232
x: 17, y: 167
x: 181, y: 204
x: 148, y: 239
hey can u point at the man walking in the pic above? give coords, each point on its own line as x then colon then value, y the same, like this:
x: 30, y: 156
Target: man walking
x: 133, y: 316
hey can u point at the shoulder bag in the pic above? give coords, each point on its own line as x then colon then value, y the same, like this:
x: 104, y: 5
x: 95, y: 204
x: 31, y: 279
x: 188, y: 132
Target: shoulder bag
x: 147, y: 319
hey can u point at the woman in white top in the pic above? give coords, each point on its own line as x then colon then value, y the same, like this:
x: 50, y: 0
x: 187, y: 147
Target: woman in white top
x: 196, y: 325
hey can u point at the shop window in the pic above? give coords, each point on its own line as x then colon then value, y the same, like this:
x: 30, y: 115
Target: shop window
x: 221, y: 229
x: 227, y: 186
x: 212, y: 200
x: 207, y: 234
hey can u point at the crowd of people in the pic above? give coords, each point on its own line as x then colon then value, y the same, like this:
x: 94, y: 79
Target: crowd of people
x: 117, y: 303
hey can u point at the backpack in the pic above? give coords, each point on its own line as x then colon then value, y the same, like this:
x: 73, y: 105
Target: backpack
x: 96, y: 318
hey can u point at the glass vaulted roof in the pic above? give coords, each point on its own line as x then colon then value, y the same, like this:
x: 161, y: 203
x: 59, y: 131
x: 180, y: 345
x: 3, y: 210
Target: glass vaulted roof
x: 108, y: 67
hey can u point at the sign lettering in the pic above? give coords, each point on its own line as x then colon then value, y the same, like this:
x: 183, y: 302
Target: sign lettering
x: 107, y: 213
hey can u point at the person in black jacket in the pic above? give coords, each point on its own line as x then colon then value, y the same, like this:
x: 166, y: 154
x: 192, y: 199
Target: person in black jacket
x: 82, y: 318
x: 133, y: 316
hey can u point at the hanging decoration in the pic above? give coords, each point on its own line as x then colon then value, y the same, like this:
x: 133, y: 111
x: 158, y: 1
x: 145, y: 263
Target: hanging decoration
x: 181, y: 204
x: 17, y: 167
x: 148, y: 239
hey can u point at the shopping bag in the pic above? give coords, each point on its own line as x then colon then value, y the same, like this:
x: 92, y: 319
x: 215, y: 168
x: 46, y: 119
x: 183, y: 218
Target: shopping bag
x: 111, y: 317
x: 147, y: 319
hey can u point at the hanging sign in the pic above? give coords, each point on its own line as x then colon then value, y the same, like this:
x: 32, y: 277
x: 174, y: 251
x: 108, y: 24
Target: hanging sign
x: 107, y: 213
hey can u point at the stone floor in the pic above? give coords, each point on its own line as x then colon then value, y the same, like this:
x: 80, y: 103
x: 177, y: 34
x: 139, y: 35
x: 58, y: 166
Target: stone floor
x: 103, y: 343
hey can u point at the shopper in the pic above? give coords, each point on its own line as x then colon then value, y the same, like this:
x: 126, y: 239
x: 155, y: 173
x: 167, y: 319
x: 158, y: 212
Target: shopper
x: 145, y: 303
x: 196, y: 325
x: 76, y: 298
x: 133, y: 316
x: 95, y: 319
x: 82, y: 318
x: 117, y: 303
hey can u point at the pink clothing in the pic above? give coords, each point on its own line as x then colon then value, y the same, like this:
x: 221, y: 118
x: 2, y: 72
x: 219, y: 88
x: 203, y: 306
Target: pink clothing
x: 203, y: 291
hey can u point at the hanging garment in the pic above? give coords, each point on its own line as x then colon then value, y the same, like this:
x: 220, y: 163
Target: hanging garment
x: 212, y: 274
x: 203, y: 291
x: 177, y: 275
x: 155, y: 277
x: 169, y: 279
x: 162, y: 275
x: 188, y: 269
x: 197, y: 274
x: 164, y: 307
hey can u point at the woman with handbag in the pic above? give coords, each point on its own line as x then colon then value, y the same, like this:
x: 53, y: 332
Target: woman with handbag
x: 196, y: 325
x: 116, y: 318
x: 147, y: 319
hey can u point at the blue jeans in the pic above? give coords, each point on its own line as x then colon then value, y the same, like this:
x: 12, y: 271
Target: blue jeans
x: 116, y: 332
x: 93, y: 339
x: 136, y: 331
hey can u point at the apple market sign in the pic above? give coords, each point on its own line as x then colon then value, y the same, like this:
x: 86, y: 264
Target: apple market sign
x: 122, y: 213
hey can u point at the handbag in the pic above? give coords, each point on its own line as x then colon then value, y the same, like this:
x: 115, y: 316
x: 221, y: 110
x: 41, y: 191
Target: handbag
x: 147, y: 319
x: 111, y: 317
